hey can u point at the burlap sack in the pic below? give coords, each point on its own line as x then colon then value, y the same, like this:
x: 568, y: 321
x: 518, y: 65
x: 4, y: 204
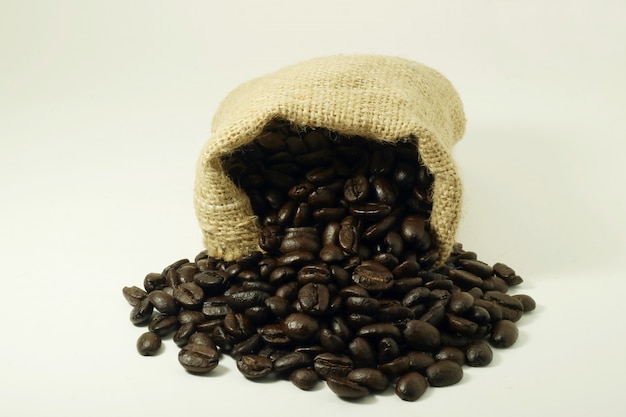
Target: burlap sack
x: 380, y: 97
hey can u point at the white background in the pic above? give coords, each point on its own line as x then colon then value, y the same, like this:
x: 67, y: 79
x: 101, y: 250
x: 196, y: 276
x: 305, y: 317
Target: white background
x: 104, y: 106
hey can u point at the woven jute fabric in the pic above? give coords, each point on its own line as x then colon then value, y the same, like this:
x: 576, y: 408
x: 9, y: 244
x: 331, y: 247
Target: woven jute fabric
x: 379, y: 97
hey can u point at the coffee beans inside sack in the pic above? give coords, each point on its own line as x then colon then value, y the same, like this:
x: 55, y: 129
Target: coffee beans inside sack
x: 329, y: 208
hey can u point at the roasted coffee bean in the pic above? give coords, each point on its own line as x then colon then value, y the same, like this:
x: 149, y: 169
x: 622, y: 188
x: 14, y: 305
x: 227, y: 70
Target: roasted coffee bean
x: 321, y: 175
x: 189, y: 295
x: 332, y: 365
x: 300, y: 192
x: 371, y: 378
x: 370, y: 211
x: 244, y: 299
x: 330, y: 342
x: 134, y: 295
x: 198, y: 358
x: 304, y: 378
x: 436, y: 315
x: 164, y: 302
x: 478, y: 315
x: 238, y: 326
x: 215, y: 309
x: 154, y: 281
x: 184, y: 332
x: 411, y: 386
x: 211, y: 280
x: 279, y: 306
x: 345, y: 388
x: 478, y: 353
x: 314, y: 298
x: 494, y: 310
x: 460, y: 302
x: 148, y: 344
x: 348, y: 238
x: 356, y: 189
x: 190, y: 316
x: 291, y: 361
x: 274, y: 334
x: 416, y: 296
x: 388, y: 349
x: 269, y: 238
x: 254, y: 366
x: 421, y: 335
x: 379, y: 330
x: 316, y: 273
x: 512, y: 308
x: 465, y: 279
x: 384, y: 190
x: 373, y: 276
x: 461, y: 326
x: 396, y: 367
x: 419, y: 361
x: 504, y: 334
x: 360, y: 304
x: 528, y: 303
x: 444, y: 373
x: 476, y: 267
x: 300, y: 327
x: 247, y: 346
x: 163, y: 324
x: 494, y: 284
x: 296, y: 258
x: 404, y: 175
x: 204, y: 339
x: 503, y: 271
x: 142, y: 312
x: 362, y: 353
x: 304, y: 243
x: 451, y: 353
x: 413, y: 231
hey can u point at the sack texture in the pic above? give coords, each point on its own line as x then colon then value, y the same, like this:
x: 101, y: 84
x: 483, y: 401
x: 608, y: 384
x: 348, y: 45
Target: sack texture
x: 378, y: 97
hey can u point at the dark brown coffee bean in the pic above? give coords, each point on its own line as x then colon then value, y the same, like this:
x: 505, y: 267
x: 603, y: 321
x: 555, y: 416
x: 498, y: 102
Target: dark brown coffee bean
x: 388, y: 349
x: 134, y: 295
x: 404, y: 175
x: 373, y: 276
x: 345, y: 388
x: 356, y: 189
x: 348, y: 238
x: 184, y: 332
x: 202, y: 339
x: 494, y: 310
x: 300, y: 327
x: 371, y: 378
x: 451, y: 353
x: 331, y: 254
x: 436, y: 315
x: 504, y: 334
x: 384, y: 190
x: 419, y: 361
x: 174, y: 266
x: 461, y: 326
x: 314, y: 298
x: 274, y: 334
x: 316, y: 273
x: 444, y: 373
x: 241, y: 300
x: 304, y: 378
x: 332, y: 365
x: 142, y: 312
x: 322, y: 198
x: 416, y: 296
x: 254, y: 366
x: 528, y: 303
x: 300, y: 192
x: 370, y: 211
x: 148, y: 344
x: 362, y: 353
x: 305, y: 243
x: 238, y: 326
x: 379, y: 330
x: 163, y: 324
x: 154, y: 281
x: 478, y: 353
x: 396, y: 367
x: 476, y: 267
x: 164, y: 302
x: 290, y: 361
x: 465, y: 279
x: 330, y: 342
x: 460, y: 302
x: 189, y: 295
x: 269, y: 238
x: 411, y: 386
x: 296, y: 258
x: 198, y: 358
x: 413, y: 231
x: 190, y: 316
x: 421, y: 335
x: 502, y: 270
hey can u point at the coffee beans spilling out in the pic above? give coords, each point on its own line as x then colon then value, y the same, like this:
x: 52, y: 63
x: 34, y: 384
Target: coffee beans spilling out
x: 349, y: 288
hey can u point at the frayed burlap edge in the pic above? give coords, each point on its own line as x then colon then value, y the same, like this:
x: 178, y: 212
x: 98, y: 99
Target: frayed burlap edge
x: 377, y: 97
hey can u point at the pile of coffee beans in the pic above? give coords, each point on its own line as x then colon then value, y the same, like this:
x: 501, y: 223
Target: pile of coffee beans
x: 349, y: 288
